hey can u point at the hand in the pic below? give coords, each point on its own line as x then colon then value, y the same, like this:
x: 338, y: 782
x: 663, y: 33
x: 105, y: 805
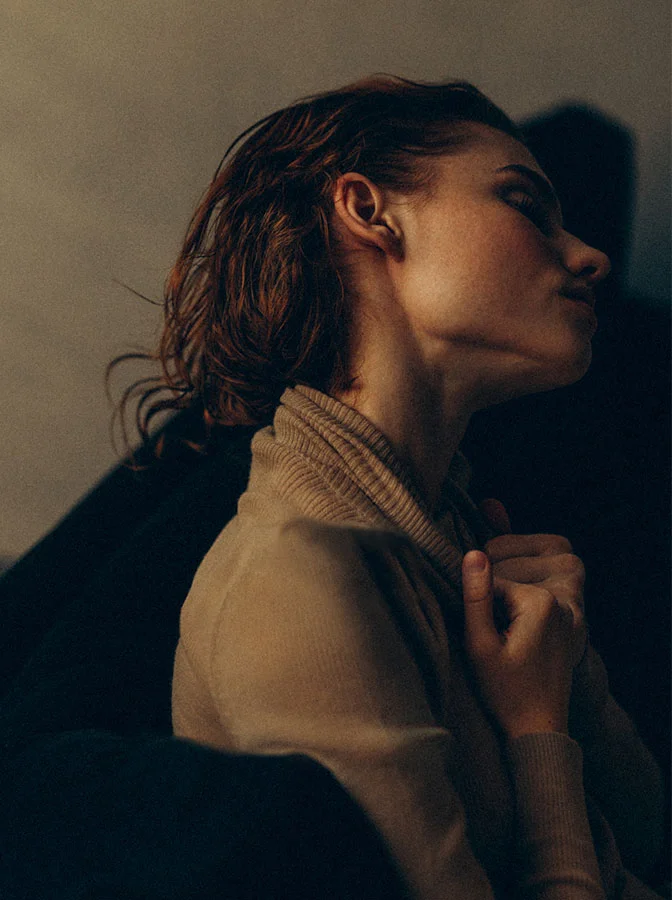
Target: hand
x: 546, y: 560
x: 525, y: 672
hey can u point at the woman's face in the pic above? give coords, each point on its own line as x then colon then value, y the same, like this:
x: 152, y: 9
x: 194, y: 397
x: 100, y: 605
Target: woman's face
x: 487, y: 267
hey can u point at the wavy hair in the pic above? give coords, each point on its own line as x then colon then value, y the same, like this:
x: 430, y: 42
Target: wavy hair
x: 255, y: 301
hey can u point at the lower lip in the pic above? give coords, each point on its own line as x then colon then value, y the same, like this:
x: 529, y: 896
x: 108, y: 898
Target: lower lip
x: 585, y: 308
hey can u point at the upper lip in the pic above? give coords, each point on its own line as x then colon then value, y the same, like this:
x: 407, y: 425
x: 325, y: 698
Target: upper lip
x: 584, y: 294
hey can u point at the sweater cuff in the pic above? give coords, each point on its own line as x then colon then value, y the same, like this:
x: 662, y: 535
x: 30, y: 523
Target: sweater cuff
x: 555, y: 842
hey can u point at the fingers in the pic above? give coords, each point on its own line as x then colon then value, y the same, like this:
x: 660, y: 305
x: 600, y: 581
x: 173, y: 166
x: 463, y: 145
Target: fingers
x: 495, y: 513
x: 508, y: 546
x: 533, y: 569
x: 534, y: 611
x: 563, y: 590
x: 478, y: 592
x: 538, y: 582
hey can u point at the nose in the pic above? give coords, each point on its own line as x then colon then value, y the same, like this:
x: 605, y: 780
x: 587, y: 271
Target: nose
x: 584, y: 261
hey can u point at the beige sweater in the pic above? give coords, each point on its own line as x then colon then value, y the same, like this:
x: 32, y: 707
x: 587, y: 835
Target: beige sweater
x: 327, y: 620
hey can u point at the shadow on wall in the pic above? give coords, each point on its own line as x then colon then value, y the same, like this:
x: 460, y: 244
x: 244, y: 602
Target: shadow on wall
x: 591, y: 461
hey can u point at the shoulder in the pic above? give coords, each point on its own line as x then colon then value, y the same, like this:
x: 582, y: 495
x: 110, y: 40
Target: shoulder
x: 321, y: 549
x: 302, y: 584
x: 299, y: 546
x: 286, y: 565
x: 303, y: 562
x: 314, y: 603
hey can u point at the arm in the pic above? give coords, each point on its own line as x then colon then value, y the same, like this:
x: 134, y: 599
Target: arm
x: 620, y: 771
x: 308, y: 658
x: 524, y: 676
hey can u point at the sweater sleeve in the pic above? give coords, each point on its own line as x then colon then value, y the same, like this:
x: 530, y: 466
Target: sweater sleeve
x: 308, y: 658
x: 620, y: 771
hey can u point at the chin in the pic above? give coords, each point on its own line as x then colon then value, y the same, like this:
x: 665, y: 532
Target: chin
x: 564, y: 377
x: 577, y: 367
x: 543, y: 377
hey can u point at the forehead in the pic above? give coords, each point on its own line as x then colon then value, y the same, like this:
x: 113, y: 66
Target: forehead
x: 485, y: 150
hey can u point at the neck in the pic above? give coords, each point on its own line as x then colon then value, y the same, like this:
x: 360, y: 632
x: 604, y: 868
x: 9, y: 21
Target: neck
x: 423, y: 417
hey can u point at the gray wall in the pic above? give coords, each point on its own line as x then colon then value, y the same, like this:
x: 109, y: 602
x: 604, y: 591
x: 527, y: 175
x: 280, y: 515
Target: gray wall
x: 115, y: 114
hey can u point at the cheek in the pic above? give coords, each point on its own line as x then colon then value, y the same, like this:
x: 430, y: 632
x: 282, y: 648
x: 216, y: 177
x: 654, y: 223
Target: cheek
x: 516, y: 259
x: 486, y: 272
x: 527, y: 279
x: 508, y: 275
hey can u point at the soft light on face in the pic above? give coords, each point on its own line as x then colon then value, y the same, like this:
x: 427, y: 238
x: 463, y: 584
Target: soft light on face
x: 487, y: 268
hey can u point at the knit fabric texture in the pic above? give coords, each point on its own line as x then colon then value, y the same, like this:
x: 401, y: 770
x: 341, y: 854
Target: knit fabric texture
x: 327, y: 620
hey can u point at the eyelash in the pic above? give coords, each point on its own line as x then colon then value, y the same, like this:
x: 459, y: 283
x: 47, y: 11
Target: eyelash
x: 534, y: 211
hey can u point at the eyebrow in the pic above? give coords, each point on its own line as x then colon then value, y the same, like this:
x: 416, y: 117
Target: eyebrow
x: 544, y: 187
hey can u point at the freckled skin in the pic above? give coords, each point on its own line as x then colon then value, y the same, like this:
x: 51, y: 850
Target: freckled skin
x: 458, y: 297
x: 478, y: 274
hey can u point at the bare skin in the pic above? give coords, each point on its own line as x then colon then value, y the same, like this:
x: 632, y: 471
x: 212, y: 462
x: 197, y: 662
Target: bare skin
x: 525, y: 672
x: 462, y: 302
x: 460, y: 299
x: 545, y: 560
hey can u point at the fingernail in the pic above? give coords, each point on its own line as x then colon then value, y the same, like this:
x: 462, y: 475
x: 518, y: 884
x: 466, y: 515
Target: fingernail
x: 475, y: 561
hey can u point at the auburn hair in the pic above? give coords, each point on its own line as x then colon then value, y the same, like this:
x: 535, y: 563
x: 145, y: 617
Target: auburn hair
x: 255, y: 301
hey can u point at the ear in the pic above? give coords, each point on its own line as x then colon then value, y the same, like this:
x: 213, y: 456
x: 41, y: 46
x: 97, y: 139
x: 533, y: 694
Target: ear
x: 364, y: 217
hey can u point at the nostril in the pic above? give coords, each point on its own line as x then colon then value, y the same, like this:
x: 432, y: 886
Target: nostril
x: 601, y: 270
x: 597, y: 269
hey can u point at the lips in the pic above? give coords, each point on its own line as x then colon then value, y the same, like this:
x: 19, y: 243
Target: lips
x: 581, y: 296
x: 584, y: 303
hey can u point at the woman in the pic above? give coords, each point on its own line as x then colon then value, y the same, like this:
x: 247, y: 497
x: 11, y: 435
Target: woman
x: 369, y: 268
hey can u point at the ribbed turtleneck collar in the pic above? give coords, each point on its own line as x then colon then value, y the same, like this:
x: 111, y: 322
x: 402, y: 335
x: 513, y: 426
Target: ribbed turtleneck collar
x: 334, y: 464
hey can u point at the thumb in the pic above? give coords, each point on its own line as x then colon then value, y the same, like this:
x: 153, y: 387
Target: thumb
x: 495, y: 513
x: 478, y: 592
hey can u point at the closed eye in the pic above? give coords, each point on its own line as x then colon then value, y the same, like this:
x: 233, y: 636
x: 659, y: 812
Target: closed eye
x: 535, y: 211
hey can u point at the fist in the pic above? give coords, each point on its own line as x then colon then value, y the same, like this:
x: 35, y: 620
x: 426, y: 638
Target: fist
x: 545, y: 560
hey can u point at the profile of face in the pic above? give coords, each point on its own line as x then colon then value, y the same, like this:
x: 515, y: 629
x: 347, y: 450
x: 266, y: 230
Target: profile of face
x: 483, y: 275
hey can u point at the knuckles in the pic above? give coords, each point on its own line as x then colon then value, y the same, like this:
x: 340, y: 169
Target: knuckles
x: 546, y: 600
x: 535, y: 596
x: 506, y: 546
x: 558, y: 544
x: 570, y: 564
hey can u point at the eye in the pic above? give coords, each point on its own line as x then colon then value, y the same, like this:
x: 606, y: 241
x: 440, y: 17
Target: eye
x: 536, y: 212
